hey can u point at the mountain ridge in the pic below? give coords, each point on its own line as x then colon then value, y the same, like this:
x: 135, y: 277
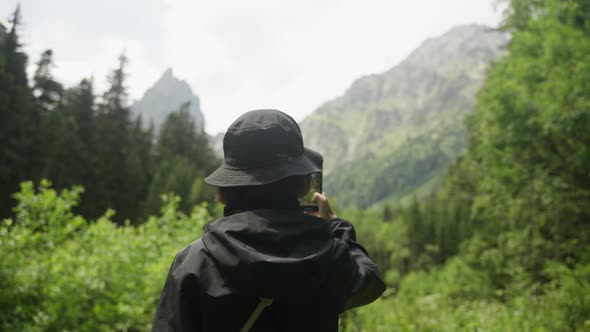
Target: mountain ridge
x: 421, y: 101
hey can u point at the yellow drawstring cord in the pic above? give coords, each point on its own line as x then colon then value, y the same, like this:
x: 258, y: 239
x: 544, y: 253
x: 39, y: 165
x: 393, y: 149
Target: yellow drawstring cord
x: 264, y: 302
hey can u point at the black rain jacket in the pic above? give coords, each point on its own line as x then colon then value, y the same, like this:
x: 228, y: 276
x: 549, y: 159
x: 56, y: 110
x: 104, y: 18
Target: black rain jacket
x: 312, y: 268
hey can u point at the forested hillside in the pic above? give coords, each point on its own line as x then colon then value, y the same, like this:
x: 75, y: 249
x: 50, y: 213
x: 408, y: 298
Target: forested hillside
x: 76, y: 136
x: 394, y: 133
x: 502, y: 245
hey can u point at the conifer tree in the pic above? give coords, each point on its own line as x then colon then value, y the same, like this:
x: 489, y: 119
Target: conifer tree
x: 140, y: 166
x: 112, y: 146
x: 79, y: 106
x: 183, y: 158
x: 54, y: 137
x: 46, y: 90
x: 19, y: 119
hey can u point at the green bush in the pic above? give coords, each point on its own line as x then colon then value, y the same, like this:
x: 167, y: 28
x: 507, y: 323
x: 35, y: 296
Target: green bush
x: 455, y: 298
x: 60, y: 272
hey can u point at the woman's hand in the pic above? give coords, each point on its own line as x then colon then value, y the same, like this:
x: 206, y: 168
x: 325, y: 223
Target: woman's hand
x: 325, y: 210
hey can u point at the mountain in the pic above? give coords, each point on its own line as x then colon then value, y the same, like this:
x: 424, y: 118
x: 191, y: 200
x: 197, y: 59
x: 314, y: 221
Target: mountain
x: 393, y: 134
x: 168, y: 94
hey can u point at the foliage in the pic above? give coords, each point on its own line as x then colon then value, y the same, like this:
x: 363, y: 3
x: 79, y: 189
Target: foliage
x: 73, y: 138
x: 420, y: 162
x: 183, y: 159
x: 18, y: 116
x: 469, y: 291
x: 47, y: 91
x: 528, y: 148
x: 503, y: 244
x: 60, y: 272
x: 456, y: 298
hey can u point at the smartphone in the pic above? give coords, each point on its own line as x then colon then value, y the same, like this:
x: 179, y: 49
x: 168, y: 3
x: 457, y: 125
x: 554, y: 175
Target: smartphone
x: 316, y: 186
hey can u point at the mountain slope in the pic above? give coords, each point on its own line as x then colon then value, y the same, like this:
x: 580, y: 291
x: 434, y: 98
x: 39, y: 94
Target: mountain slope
x: 392, y: 133
x: 168, y: 94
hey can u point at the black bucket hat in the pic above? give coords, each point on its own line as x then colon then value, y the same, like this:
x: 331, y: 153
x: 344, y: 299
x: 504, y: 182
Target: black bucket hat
x: 261, y: 147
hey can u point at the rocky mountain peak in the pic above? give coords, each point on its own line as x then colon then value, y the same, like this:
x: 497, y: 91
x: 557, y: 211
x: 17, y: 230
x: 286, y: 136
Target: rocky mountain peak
x: 167, y: 95
x: 377, y: 125
x: 168, y: 74
x: 469, y: 42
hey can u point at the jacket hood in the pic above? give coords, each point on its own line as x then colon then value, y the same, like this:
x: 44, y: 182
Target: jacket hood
x: 261, y: 251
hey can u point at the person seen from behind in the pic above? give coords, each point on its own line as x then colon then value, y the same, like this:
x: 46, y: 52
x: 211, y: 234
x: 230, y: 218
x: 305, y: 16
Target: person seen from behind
x: 267, y: 265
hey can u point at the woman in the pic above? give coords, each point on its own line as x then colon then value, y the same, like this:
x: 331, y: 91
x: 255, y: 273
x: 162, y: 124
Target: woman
x: 267, y: 265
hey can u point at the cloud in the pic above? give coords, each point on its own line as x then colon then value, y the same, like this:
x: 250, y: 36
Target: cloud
x: 295, y: 55
x: 240, y: 55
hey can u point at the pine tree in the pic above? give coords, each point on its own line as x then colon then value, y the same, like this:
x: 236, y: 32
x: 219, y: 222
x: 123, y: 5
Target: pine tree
x: 79, y: 106
x: 112, y: 146
x: 414, y: 219
x: 47, y: 91
x: 183, y: 158
x: 53, y: 138
x: 140, y: 165
x: 19, y: 118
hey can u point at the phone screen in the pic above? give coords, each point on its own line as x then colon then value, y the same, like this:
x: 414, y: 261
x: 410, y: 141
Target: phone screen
x: 316, y: 186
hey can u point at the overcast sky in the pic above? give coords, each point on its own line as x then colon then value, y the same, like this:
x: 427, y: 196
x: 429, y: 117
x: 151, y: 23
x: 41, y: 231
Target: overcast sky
x: 239, y: 55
